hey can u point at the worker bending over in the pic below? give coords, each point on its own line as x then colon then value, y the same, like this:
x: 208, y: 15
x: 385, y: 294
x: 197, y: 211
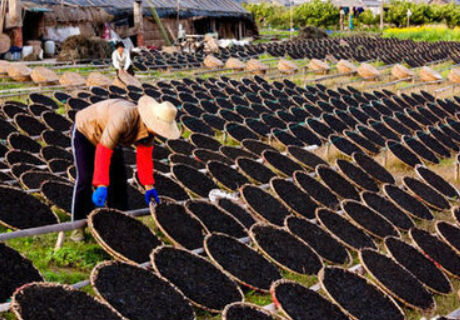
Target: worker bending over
x: 100, y: 132
x: 121, y: 59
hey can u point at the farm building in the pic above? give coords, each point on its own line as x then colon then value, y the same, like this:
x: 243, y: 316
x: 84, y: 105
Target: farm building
x: 53, y: 19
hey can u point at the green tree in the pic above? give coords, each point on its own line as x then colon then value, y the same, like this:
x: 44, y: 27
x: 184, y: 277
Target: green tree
x: 316, y: 13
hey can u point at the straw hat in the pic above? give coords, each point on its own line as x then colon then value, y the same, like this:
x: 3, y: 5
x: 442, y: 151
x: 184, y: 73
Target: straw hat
x: 159, y: 117
x: 368, y: 71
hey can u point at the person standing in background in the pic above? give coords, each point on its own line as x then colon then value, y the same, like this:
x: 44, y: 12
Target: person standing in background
x: 121, y: 59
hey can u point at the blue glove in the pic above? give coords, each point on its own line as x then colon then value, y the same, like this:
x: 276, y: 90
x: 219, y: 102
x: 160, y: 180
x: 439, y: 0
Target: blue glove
x: 99, y: 196
x: 152, y: 193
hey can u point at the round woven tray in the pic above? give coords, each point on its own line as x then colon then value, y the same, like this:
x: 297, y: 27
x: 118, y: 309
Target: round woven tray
x: 212, y: 62
x: 250, y: 306
x: 152, y: 260
x: 107, y: 248
x: 345, y: 66
x: 269, y: 257
x: 401, y: 72
x: 279, y: 306
x: 168, y: 235
x: 256, y: 67
x: 381, y: 285
x: 369, y: 283
x: 427, y: 74
x: 19, y: 72
x: 16, y: 307
x: 424, y: 257
x: 230, y: 275
x: 95, y: 274
x: 287, y: 67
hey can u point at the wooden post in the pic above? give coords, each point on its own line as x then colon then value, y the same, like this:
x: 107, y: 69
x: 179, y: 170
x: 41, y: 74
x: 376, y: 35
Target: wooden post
x: 457, y: 168
x: 139, y: 22
x: 213, y: 25
x: 240, y: 30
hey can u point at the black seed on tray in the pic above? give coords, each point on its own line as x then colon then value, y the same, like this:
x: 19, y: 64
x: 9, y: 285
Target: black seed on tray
x: 403, y: 153
x: 286, y: 250
x: 214, y: 122
x: 246, y: 311
x: 243, y: 263
x: 183, y: 159
x: 264, y: 205
x: 256, y: 147
x: 285, y: 138
x: 372, y: 168
x: 427, y: 194
x: 193, y: 180
x: 344, y: 145
x: 369, y: 220
x: 19, y: 168
x: 215, y: 219
x: 226, y: 176
x: 179, y: 225
x: 237, y: 211
x: 56, y: 121
x: 196, y: 125
x: 420, y: 149
x: 22, y: 211
x: 255, y: 170
x: 57, y: 302
x: 358, y: 296
x: 437, y: 250
x: 138, y: 293
x: 56, y: 138
x: 319, y: 128
x: 432, y: 143
x: 204, y: 142
x: 16, y: 272
x: 160, y: 152
x: 450, y: 233
x: 3, y: 151
x: 388, y: 210
x: 407, y: 203
x: 437, y: 182
x: 257, y: 126
x: 136, y: 199
x: 305, y: 157
x: 301, y: 303
x: 5, y: 129
x: 169, y: 188
x: 240, y: 132
x: 161, y: 166
x: 180, y: 146
x: 419, y: 265
x: 29, y: 124
x: 399, y: 282
x: 304, y: 134
x: 33, y: 179
x: 338, y: 184
x: 44, y: 100
x: 319, y: 240
x: 294, y: 198
x: 10, y: 111
x: 235, y: 152
x: 122, y: 236
x: 21, y: 142
x: 206, y: 156
x: 58, y: 165
x: 357, y: 176
x: 316, y: 190
x: 347, y: 233
x: 198, y: 279
x: 281, y: 163
x: 53, y: 152
x: 5, y: 177
x: 362, y: 142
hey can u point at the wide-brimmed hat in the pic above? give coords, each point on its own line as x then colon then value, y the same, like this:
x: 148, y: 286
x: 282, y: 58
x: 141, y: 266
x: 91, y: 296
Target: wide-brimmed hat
x: 159, y: 117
